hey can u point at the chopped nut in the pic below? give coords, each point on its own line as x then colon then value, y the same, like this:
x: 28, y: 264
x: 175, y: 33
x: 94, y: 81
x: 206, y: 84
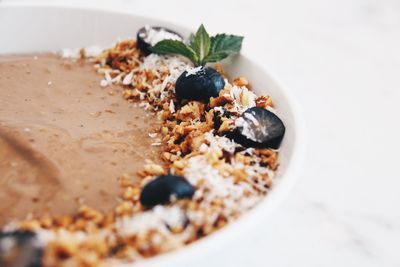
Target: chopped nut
x: 180, y: 130
x: 220, y: 69
x: 264, y: 102
x: 192, y: 142
x: 179, y: 164
x: 214, y: 156
x: 240, y: 175
x: 124, y: 208
x: 46, y: 221
x: 29, y: 225
x: 247, y: 98
x: 63, y: 249
x: 241, y: 81
x: 87, y: 212
x: 190, y: 111
x: 125, y: 181
x: 63, y: 221
x: 154, y: 169
x: 128, y: 194
x: 220, y: 100
x: 166, y: 156
x: 164, y: 130
x: 226, y: 126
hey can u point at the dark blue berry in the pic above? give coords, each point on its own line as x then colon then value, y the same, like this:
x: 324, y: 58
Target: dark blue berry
x: 163, y: 188
x: 201, y: 85
x: 259, y: 127
x: 22, y: 250
x: 142, y: 35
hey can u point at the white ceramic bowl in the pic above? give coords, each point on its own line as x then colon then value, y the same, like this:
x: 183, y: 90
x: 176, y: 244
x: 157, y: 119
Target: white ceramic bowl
x: 25, y: 28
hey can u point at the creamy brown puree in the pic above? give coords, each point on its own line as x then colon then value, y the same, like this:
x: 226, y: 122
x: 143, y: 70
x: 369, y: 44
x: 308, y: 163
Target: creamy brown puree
x: 64, y: 140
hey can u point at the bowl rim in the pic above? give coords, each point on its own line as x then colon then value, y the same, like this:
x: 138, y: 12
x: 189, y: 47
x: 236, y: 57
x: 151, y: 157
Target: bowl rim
x: 248, y: 219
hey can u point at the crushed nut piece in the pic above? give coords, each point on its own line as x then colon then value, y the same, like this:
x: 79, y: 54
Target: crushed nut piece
x: 154, y: 169
x: 241, y: 81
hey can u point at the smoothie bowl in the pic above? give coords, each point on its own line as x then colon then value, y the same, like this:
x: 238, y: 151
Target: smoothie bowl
x: 130, y: 141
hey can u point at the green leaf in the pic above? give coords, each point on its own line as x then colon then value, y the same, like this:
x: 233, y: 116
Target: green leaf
x: 223, y: 45
x: 174, y: 47
x: 201, y: 43
x: 201, y: 48
x: 191, y: 38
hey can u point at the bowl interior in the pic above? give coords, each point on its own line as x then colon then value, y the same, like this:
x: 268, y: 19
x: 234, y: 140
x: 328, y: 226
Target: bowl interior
x: 27, y: 29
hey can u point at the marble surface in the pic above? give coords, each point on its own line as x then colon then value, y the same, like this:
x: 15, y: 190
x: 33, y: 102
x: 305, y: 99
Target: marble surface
x: 342, y: 61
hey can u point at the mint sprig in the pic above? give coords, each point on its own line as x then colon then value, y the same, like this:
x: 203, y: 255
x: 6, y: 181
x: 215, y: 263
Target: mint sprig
x: 175, y: 47
x: 201, y: 47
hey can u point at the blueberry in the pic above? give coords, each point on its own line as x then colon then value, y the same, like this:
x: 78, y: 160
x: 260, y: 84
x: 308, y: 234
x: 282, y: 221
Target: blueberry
x: 20, y: 249
x: 148, y: 36
x: 259, y: 127
x: 161, y: 189
x: 201, y: 85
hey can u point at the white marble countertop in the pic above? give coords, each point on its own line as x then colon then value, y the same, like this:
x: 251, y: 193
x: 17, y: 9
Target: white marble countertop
x: 342, y: 60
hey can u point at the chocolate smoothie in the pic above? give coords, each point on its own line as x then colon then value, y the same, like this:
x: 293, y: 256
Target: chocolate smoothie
x: 64, y: 140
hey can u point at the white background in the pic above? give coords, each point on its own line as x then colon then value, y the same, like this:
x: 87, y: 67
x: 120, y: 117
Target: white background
x: 341, y: 59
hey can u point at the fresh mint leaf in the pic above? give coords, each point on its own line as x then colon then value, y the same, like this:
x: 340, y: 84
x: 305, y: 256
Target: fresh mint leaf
x: 191, y: 38
x: 223, y: 45
x: 201, y: 44
x: 201, y: 48
x: 175, y: 47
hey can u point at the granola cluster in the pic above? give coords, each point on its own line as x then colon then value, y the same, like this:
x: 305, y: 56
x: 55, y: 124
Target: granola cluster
x: 229, y: 178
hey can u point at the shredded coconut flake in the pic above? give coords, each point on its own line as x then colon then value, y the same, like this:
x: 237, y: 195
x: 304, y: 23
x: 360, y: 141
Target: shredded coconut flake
x: 172, y: 106
x: 215, y: 186
x: 93, y: 51
x: 250, y: 127
x: 221, y: 142
x: 192, y: 71
x: 70, y: 53
x: 154, y: 36
x: 237, y: 93
x: 159, y: 218
x: 152, y: 135
x: 127, y: 79
x: 103, y: 83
